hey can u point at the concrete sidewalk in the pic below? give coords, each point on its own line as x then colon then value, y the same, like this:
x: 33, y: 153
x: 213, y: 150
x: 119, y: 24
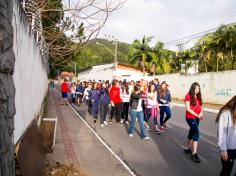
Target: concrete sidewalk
x: 77, y: 145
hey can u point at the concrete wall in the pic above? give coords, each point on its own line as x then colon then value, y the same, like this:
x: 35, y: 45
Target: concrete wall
x: 7, y: 90
x: 217, y: 88
x: 30, y: 76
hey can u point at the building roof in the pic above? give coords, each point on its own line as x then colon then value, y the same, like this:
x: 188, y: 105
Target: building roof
x: 108, y: 65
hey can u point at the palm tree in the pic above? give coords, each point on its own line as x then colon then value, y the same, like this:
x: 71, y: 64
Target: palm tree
x: 227, y: 37
x: 159, y: 55
x: 142, y: 52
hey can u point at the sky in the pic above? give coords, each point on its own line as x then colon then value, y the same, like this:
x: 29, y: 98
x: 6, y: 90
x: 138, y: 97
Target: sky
x: 168, y: 20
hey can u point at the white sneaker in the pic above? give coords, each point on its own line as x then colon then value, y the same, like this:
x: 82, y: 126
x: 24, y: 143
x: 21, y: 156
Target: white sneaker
x: 121, y: 121
x: 147, y: 127
x: 146, y: 138
x: 105, y: 122
x: 126, y: 122
x: 102, y: 125
x: 131, y: 135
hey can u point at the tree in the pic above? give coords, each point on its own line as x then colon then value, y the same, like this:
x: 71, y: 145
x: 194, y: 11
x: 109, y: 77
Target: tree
x: 159, y: 60
x: 142, y: 52
x: 227, y: 36
x: 67, y: 26
x: 217, y: 50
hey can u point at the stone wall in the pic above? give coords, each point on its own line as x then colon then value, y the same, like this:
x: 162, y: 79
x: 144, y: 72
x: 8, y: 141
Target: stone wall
x: 7, y: 89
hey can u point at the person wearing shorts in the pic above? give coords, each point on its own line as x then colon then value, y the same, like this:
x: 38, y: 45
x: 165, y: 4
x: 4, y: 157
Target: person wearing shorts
x: 64, y: 92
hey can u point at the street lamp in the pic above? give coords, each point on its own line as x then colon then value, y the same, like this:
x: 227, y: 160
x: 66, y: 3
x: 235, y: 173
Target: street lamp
x: 113, y: 54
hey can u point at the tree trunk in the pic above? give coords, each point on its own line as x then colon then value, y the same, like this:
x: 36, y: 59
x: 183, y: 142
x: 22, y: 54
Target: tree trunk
x: 205, y: 66
x: 7, y: 90
x: 143, y: 70
x: 233, y: 59
x: 217, y: 64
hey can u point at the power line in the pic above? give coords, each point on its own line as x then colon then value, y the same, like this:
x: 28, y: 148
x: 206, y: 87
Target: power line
x: 196, y: 35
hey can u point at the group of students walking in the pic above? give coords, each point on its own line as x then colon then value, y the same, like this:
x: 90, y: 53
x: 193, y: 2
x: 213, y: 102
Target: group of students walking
x: 144, y: 100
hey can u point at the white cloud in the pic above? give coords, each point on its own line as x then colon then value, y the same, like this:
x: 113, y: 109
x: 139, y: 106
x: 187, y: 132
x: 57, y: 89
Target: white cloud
x: 168, y: 20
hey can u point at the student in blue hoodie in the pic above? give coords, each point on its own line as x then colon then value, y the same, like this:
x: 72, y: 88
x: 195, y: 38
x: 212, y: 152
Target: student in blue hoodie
x: 104, y: 103
x: 164, y: 100
x: 94, y: 97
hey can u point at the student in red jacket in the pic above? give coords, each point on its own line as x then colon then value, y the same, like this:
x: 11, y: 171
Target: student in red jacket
x: 64, y: 92
x: 115, y: 101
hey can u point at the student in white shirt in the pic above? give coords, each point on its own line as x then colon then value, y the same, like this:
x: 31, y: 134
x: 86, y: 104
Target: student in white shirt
x: 227, y: 136
x: 152, y: 108
x: 125, y: 96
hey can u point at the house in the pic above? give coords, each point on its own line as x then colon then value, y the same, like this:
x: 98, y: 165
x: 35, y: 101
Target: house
x: 109, y: 72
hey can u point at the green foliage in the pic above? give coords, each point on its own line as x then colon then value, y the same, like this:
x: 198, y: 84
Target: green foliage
x: 141, y: 53
x: 94, y: 53
x: 213, y: 52
x: 217, y: 51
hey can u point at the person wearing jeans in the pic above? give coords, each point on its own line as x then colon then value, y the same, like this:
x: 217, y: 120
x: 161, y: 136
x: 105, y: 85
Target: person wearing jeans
x: 227, y: 136
x: 194, y: 113
x: 164, y: 109
x: 164, y: 100
x: 136, y: 111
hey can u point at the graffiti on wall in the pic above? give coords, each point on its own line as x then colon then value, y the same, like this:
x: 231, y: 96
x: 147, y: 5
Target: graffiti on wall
x: 224, y: 92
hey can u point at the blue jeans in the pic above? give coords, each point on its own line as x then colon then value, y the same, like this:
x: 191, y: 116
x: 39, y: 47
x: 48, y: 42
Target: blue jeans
x: 137, y: 114
x: 163, y: 110
x: 193, y: 131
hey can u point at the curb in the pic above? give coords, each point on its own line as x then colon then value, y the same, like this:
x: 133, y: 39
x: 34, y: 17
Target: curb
x: 215, y: 111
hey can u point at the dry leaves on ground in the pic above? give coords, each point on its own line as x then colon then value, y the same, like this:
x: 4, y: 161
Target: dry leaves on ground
x: 63, y: 170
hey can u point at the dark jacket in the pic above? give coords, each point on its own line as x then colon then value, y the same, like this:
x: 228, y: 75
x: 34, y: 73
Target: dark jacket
x: 157, y: 86
x: 166, y: 97
x: 79, y: 89
x: 104, y: 96
x: 134, y: 100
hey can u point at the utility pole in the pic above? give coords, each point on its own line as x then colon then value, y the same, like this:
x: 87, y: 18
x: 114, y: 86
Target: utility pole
x: 115, y: 55
x: 75, y: 69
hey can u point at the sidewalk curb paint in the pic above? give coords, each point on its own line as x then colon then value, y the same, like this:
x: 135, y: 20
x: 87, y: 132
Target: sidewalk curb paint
x: 103, y: 142
x: 204, y: 109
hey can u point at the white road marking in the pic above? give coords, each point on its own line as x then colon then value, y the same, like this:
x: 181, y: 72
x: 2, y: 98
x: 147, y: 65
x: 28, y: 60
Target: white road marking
x: 103, y: 142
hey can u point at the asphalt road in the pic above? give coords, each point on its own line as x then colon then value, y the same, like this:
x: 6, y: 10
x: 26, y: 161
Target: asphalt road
x: 163, y: 154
